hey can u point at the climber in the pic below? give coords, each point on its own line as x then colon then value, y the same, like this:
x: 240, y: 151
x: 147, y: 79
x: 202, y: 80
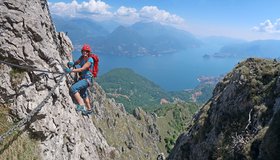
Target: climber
x: 79, y: 89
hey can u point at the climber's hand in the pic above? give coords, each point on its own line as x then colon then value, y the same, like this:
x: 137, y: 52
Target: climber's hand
x: 70, y: 64
x: 67, y: 70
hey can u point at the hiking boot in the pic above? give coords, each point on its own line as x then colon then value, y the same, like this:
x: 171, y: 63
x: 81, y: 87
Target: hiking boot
x: 86, y: 112
x: 79, y: 108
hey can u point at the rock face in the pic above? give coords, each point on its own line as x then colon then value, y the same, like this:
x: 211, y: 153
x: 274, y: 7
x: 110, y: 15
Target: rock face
x: 28, y: 38
x: 241, y: 120
x: 133, y: 138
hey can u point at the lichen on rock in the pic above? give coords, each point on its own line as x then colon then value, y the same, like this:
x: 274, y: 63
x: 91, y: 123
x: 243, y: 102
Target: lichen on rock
x: 240, y: 119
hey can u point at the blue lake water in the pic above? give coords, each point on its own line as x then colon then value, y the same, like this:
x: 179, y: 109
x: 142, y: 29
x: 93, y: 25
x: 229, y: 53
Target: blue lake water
x: 171, y: 72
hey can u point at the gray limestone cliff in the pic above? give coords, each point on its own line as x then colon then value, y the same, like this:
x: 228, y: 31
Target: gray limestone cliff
x: 241, y: 120
x: 28, y: 38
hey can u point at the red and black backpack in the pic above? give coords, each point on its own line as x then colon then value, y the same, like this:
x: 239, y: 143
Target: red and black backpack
x: 94, y: 71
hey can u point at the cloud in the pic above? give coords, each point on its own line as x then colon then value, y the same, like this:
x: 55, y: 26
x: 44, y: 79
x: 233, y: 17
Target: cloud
x: 124, y: 11
x: 75, y: 9
x: 147, y: 13
x: 64, y: 9
x: 268, y: 27
x: 96, y: 7
x: 99, y: 10
x: 127, y: 15
x: 162, y: 16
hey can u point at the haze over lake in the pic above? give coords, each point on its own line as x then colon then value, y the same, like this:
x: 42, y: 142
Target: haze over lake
x: 172, y: 72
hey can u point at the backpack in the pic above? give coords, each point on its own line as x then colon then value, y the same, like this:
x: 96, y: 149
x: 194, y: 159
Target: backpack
x: 94, y: 71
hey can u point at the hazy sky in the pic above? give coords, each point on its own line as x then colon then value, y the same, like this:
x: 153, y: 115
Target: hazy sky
x: 246, y: 19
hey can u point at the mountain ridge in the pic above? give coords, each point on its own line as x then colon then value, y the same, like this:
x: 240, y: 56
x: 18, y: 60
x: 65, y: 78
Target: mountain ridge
x: 257, y: 48
x: 126, y: 82
x: 55, y: 130
x: 35, y: 99
x: 240, y: 120
x: 133, y: 90
x: 142, y: 38
x: 155, y: 39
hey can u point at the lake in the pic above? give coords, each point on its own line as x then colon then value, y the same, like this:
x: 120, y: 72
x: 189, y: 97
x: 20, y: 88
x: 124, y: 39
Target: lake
x: 172, y: 72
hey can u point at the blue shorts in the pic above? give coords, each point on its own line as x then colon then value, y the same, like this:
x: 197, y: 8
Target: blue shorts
x: 81, y: 87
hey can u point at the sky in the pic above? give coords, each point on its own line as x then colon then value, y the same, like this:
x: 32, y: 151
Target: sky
x: 242, y: 19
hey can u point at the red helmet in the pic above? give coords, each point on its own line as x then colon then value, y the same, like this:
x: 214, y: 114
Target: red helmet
x: 86, y: 47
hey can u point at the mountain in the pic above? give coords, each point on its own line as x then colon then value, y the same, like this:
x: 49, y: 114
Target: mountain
x: 199, y: 95
x: 80, y: 30
x: 37, y: 113
x: 220, y: 41
x: 110, y: 25
x: 139, y: 39
x: 39, y: 121
x: 131, y: 89
x: 141, y: 135
x: 173, y: 119
x: 146, y: 38
x: 122, y: 41
x: 241, y: 120
x: 259, y: 48
x: 162, y: 38
x: 134, y: 90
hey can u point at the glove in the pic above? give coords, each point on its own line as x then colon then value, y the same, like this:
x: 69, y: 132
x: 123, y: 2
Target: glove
x: 70, y: 64
x: 67, y: 70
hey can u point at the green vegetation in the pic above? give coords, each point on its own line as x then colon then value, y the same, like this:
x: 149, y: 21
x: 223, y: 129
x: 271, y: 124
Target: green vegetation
x: 189, y: 96
x: 133, y: 135
x: 127, y: 134
x: 131, y: 89
x: 18, y: 145
x: 250, y: 90
x: 172, y: 121
x: 16, y: 76
x: 134, y: 91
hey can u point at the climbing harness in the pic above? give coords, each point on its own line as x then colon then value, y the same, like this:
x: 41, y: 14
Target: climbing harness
x: 38, y: 108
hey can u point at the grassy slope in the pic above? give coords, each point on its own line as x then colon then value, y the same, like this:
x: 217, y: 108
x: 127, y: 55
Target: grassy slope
x: 172, y: 121
x: 131, y: 89
x: 18, y: 146
x: 126, y: 133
